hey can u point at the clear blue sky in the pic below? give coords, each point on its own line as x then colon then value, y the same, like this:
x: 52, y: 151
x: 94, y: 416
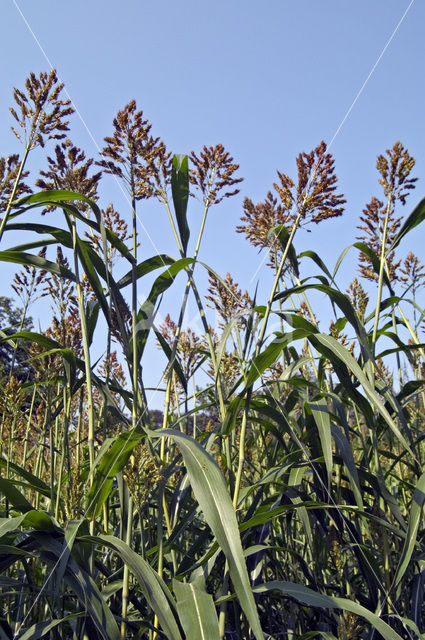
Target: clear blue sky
x: 266, y: 80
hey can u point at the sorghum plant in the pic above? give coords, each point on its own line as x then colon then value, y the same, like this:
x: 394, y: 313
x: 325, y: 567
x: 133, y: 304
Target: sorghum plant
x: 283, y: 498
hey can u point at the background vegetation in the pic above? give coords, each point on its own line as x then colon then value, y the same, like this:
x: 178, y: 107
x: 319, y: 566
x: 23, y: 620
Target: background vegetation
x: 282, y: 498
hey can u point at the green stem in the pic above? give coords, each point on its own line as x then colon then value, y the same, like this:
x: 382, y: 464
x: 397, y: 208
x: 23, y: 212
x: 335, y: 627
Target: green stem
x: 125, y: 584
x: 411, y: 331
x: 275, y: 285
x: 65, y: 448
x: 27, y: 432
x: 381, y: 271
x: 241, y: 459
x: 191, y: 284
x: 15, y: 187
x: 86, y: 351
x: 135, y: 364
x: 173, y: 226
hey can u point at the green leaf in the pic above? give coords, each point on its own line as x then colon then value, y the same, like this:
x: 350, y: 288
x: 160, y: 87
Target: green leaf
x: 301, y: 593
x: 283, y: 235
x: 81, y: 584
x: 415, y: 218
x: 48, y: 343
x: 332, y: 348
x: 53, y: 196
x: 152, y: 585
x: 21, y: 257
x: 88, y: 260
x: 110, y: 460
x: 196, y: 611
x: 33, y: 481
x: 70, y: 533
x: 14, y: 496
x: 33, y: 519
x: 295, y: 478
x: 344, y: 304
x: 339, y: 261
x: 145, y: 314
x: 318, y: 260
x: 270, y: 354
x: 320, y: 411
x: 165, y: 280
x: 40, y: 629
x: 180, y: 191
x: 211, y: 492
x: 92, y: 314
x: 343, y: 445
x: 364, y: 248
x: 314, y: 599
x: 156, y: 262
x: 175, y: 364
x: 415, y: 516
x: 65, y: 238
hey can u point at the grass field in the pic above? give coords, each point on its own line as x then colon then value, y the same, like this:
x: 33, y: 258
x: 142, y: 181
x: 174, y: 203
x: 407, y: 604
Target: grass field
x: 283, y: 499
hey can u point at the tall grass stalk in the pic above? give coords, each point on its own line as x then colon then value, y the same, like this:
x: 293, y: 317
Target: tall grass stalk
x: 278, y: 499
x: 382, y: 264
x: 16, y: 184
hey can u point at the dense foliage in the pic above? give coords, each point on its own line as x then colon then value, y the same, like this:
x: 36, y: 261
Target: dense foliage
x: 281, y: 500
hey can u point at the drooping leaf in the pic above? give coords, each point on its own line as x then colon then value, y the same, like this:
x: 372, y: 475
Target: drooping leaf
x: 34, y: 519
x: 211, y: 492
x: 110, y: 460
x: 364, y: 248
x: 412, y: 221
x: 23, y: 258
x: 318, y: 260
x: 33, y: 481
x: 334, y: 350
x: 312, y: 598
x: 81, y: 584
x: 270, y: 354
x: 88, y: 261
x: 346, y: 452
x: 41, y: 629
x: 14, y: 496
x: 146, y: 313
x: 145, y: 267
x: 175, y: 364
x: 344, y: 304
x: 283, y: 235
x: 196, y: 611
x: 415, y: 516
x: 320, y: 411
x: 152, y: 585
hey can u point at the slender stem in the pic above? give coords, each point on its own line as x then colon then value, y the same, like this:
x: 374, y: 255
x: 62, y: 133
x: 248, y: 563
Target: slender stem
x: 194, y: 408
x: 65, y: 448
x: 27, y: 432
x: 15, y: 187
x: 135, y: 364
x: 86, y: 351
x: 191, y: 283
x: 381, y: 270
x: 173, y: 226
x: 160, y: 543
x: 125, y: 584
x: 275, y: 284
x: 21, y: 326
x: 411, y: 331
x: 241, y: 459
x: 398, y: 360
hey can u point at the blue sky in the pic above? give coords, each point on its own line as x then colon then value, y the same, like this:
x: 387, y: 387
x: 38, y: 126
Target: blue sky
x: 265, y: 80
